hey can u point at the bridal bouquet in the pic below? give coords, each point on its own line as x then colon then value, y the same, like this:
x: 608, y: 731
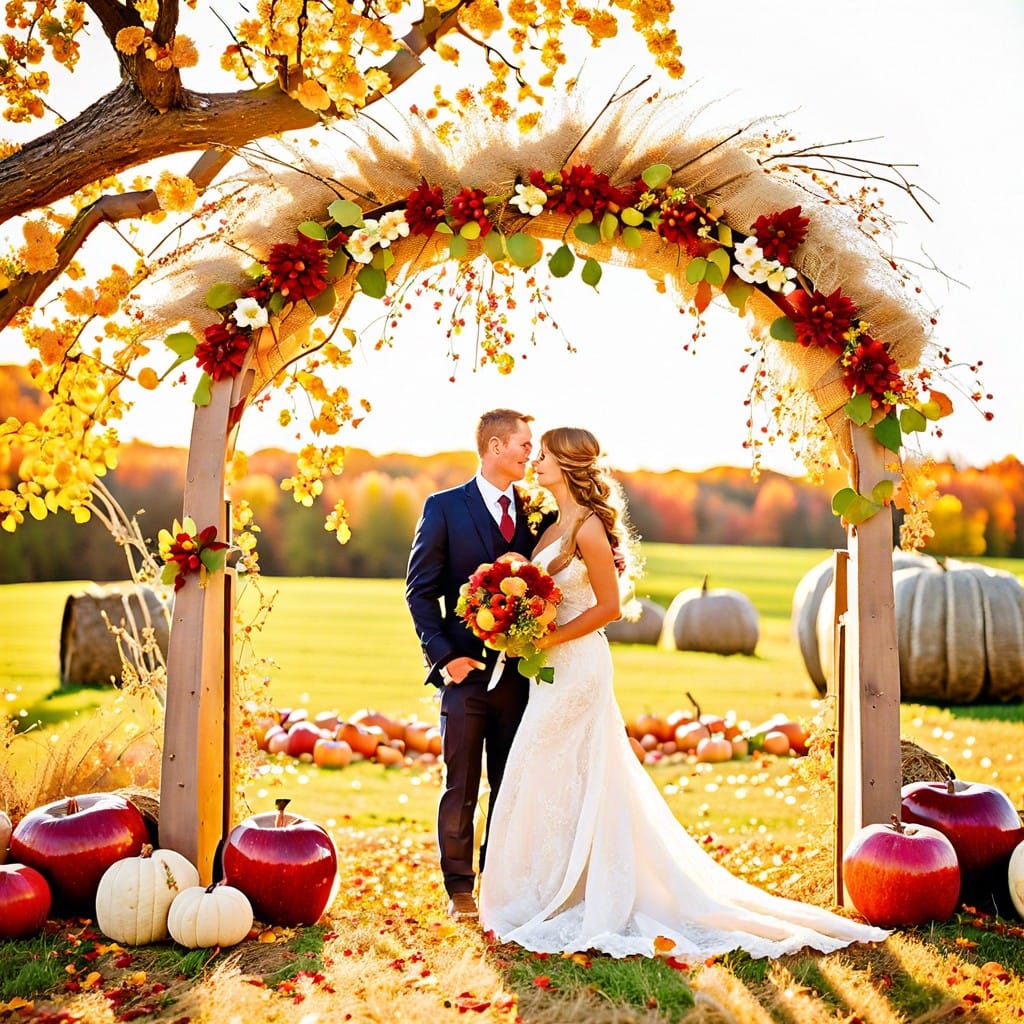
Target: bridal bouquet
x: 509, y: 604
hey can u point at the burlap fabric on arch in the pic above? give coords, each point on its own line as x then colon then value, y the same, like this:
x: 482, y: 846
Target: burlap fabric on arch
x: 376, y: 167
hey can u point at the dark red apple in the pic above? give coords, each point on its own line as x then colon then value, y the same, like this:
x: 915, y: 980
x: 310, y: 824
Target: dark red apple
x: 24, y: 901
x: 901, y: 875
x: 73, y: 841
x: 981, y: 823
x: 285, y: 864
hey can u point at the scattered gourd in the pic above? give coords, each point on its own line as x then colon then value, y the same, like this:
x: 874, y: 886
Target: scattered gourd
x: 135, y: 895
x: 217, y: 915
x: 1016, y: 878
x: 959, y: 626
x: 718, y: 621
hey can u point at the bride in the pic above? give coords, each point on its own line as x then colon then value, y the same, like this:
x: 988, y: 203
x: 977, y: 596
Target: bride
x: 582, y: 851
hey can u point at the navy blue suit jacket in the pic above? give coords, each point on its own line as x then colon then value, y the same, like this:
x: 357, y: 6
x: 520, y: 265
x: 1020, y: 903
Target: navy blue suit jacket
x: 455, y: 535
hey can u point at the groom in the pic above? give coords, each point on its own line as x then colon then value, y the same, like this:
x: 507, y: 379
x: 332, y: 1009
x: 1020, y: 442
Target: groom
x: 460, y: 529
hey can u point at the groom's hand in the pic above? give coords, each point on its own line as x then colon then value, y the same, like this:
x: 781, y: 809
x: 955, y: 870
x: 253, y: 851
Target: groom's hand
x: 458, y: 668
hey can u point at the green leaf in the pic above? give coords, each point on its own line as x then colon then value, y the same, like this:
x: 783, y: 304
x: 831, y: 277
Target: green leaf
x: 931, y: 410
x: 853, y: 507
x: 632, y: 217
x: 912, y: 420
x: 562, y: 261
x: 382, y: 259
x: 470, y: 230
x: 213, y: 560
x: 338, y: 263
x: 696, y: 269
x: 222, y: 294
x: 591, y: 273
x: 524, y: 249
x: 167, y: 574
x: 859, y: 408
x: 609, y: 227
x: 276, y: 303
x: 588, y: 233
x: 255, y: 270
x: 311, y: 229
x: 182, y: 343
x: 882, y: 491
x: 632, y: 238
x: 546, y: 674
x: 737, y: 292
x: 656, y: 175
x: 444, y: 229
x: 887, y: 432
x: 719, y: 258
x: 373, y: 281
x: 724, y: 234
x: 346, y: 213
x: 458, y: 247
x: 782, y: 329
x: 323, y: 303
x: 585, y: 217
x: 203, y: 393
x: 494, y: 246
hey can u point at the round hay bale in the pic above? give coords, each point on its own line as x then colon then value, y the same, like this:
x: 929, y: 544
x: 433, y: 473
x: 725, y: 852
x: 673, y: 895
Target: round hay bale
x: 644, y: 629
x: 88, y: 649
x: 920, y: 765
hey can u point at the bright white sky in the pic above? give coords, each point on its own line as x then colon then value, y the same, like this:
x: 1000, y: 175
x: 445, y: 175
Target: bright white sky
x: 941, y: 82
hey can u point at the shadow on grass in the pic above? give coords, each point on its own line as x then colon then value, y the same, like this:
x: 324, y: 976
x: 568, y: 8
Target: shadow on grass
x: 1012, y: 712
x: 64, y: 704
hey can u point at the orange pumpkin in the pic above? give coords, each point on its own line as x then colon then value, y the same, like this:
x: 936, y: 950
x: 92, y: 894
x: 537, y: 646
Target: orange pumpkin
x: 776, y: 742
x: 637, y: 749
x: 389, y: 756
x: 331, y: 753
x: 689, y: 735
x: 714, y: 749
x: 417, y: 740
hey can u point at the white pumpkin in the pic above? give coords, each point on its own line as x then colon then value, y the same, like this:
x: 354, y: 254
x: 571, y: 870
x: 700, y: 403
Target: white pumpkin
x: 1016, y: 878
x: 5, y: 834
x: 219, y: 915
x: 136, y: 893
x: 717, y: 620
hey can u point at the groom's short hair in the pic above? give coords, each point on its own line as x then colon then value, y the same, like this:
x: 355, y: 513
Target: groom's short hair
x: 499, y: 423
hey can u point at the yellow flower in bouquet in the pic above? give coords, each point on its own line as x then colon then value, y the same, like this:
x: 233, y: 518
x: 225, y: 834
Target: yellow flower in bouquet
x: 510, y: 604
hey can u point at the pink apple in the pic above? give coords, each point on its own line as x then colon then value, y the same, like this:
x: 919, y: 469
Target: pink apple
x: 285, y: 864
x: 73, y: 841
x: 24, y: 901
x: 901, y: 875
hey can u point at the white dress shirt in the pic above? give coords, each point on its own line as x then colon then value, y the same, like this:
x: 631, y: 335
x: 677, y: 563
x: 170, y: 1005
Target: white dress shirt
x: 491, y: 494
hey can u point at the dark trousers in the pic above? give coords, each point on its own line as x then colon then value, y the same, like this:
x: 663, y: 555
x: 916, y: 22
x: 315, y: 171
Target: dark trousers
x: 473, y: 720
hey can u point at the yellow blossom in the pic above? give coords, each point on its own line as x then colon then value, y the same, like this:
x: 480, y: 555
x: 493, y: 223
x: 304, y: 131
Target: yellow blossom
x: 128, y: 40
x: 183, y: 52
x: 176, y: 193
x: 40, y: 250
x: 312, y: 95
x: 482, y: 17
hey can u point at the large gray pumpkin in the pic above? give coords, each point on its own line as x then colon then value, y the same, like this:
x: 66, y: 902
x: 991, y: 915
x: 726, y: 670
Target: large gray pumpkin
x: 719, y: 621
x: 960, y: 632
x: 644, y: 629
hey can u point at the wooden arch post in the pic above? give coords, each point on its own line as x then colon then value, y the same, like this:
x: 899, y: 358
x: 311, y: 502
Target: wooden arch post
x: 868, y: 764
x: 196, y: 777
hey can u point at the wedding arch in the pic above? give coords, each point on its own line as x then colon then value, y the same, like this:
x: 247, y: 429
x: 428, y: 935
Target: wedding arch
x: 732, y: 216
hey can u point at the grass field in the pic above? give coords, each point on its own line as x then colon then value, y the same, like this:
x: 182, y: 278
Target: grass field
x: 340, y: 644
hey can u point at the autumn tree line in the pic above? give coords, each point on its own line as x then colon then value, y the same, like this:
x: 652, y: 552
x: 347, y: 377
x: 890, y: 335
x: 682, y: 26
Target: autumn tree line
x: 980, y: 511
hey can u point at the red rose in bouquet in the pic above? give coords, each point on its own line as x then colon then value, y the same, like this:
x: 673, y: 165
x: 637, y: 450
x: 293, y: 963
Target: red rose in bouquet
x: 510, y: 604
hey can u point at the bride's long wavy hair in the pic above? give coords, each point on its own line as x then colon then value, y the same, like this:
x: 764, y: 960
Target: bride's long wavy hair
x: 594, y: 489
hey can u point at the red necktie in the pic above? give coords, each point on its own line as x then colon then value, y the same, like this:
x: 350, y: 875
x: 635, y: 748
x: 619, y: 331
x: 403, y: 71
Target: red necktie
x: 507, y: 527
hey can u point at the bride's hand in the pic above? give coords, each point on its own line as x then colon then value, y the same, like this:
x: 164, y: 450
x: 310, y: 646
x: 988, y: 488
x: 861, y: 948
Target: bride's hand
x: 546, y: 641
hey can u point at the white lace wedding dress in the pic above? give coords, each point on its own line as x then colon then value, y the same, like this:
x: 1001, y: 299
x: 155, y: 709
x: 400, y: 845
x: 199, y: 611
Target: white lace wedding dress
x: 583, y: 852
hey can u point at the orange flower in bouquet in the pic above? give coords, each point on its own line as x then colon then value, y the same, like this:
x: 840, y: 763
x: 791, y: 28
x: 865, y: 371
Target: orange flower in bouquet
x: 510, y: 604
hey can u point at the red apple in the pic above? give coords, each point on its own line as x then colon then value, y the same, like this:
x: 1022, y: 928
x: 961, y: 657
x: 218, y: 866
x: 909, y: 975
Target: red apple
x: 285, y: 864
x: 981, y: 823
x: 73, y: 841
x: 24, y: 901
x: 901, y: 875
x: 302, y: 737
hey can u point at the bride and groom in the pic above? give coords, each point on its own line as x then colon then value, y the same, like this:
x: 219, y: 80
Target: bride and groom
x: 582, y: 853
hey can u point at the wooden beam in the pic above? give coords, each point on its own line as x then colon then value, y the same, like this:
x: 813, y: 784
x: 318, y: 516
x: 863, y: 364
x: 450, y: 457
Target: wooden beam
x: 837, y: 691
x: 193, y: 786
x: 870, y: 716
